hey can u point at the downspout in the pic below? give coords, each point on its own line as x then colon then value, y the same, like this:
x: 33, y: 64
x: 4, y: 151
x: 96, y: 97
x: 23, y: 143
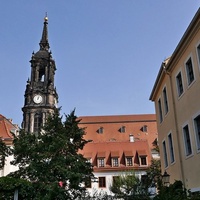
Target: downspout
x: 176, y: 124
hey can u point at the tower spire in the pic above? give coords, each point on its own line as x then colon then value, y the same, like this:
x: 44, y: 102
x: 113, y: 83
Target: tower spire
x: 44, y: 44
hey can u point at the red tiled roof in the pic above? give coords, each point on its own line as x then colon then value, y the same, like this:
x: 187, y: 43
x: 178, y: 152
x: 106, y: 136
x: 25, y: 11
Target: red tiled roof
x: 101, y: 154
x: 128, y: 153
x: 117, y: 118
x: 112, y: 127
x: 6, y: 127
x: 108, y: 150
x: 141, y: 152
x: 114, y: 153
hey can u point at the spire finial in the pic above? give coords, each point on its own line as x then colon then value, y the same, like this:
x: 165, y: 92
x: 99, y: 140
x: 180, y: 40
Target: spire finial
x: 44, y: 44
x: 46, y: 18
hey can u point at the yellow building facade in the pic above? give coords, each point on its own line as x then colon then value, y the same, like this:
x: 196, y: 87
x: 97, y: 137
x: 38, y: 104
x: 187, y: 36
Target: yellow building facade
x: 176, y: 94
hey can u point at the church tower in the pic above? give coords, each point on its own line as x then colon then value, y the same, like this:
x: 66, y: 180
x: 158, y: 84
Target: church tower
x: 40, y: 98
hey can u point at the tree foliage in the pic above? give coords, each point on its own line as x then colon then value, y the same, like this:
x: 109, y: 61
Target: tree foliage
x: 51, y: 156
x: 9, y: 185
x: 128, y: 186
x: 175, y: 191
x: 4, y: 152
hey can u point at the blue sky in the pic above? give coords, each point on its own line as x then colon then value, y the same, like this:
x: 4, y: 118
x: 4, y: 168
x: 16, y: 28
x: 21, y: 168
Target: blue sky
x: 107, y: 52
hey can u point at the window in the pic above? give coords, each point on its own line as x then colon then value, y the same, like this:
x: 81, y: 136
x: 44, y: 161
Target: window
x: 41, y: 75
x: 197, y: 131
x: 165, y: 154
x: 144, y: 128
x: 102, y: 182
x: 123, y: 129
x: 171, y: 148
x: 198, y: 54
x: 179, y: 83
x: 101, y: 162
x: 37, y: 122
x: 100, y: 130
x: 115, y: 162
x: 189, y: 70
x: 143, y: 160
x: 188, y: 147
x: 160, y: 110
x: 165, y: 101
x: 129, y: 161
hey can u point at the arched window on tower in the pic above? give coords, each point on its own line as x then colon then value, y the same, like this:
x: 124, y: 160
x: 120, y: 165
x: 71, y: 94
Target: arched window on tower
x: 37, y: 122
x: 41, y: 75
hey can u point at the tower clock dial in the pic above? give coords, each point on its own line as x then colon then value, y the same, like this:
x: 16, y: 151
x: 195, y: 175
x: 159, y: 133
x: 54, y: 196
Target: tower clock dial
x: 37, y: 99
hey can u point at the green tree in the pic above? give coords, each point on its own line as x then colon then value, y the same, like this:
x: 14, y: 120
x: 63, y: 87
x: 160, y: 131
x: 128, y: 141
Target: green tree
x: 153, y: 177
x: 128, y: 186
x: 175, y: 191
x: 50, y: 157
x: 9, y: 185
x: 4, y: 152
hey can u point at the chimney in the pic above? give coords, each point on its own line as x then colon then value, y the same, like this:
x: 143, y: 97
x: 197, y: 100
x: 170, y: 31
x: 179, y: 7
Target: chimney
x: 131, y: 138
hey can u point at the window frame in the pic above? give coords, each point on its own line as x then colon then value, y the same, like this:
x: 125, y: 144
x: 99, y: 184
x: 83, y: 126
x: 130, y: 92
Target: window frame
x: 171, y: 148
x: 141, y: 160
x: 189, y: 69
x: 160, y: 110
x: 188, y: 149
x: 197, y: 134
x: 38, y: 122
x: 100, y: 130
x: 102, y: 181
x: 165, y: 100
x: 115, y: 164
x: 165, y: 155
x: 144, y: 128
x: 101, y: 162
x: 123, y: 129
x: 180, y: 88
x: 198, y: 53
x: 129, y: 161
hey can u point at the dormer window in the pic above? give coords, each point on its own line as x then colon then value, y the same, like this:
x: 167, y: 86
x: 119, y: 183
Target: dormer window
x: 115, y: 162
x: 101, y: 162
x: 144, y: 128
x: 100, y: 130
x: 114, y: 158
x: 101, y: 159
x: 128, y: 158
x: 143, y: 160
x: 129, y: 161
x: 123, y: 129
x: 142, y: 157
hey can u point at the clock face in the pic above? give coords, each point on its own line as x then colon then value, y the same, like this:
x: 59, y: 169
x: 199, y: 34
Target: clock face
x: 37, y: 99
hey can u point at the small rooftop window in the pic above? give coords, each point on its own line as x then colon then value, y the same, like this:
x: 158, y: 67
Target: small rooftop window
x: 100, y: 130
x: 144, y: 128
x: 122, y: 129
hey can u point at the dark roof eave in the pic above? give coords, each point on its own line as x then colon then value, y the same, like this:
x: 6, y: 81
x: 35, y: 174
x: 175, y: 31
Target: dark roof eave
x: 159, y: 77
